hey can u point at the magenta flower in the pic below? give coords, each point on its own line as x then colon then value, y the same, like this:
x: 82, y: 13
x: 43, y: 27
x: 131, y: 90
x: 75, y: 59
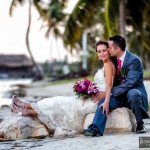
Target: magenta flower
x: 85, y: 88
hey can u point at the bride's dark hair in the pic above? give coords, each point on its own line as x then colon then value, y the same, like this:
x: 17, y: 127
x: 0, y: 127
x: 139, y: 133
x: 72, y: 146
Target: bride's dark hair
x: 114, y: 59
x: 101, y: 43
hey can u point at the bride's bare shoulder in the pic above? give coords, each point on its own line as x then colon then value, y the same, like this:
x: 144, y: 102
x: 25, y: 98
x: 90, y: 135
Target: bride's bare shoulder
x: 108, y: 65
x: 109, y: 68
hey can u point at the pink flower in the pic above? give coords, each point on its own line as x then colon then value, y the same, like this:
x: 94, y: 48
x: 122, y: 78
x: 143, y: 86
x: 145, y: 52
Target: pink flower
x: 92, y: 89
x: 85, y: 88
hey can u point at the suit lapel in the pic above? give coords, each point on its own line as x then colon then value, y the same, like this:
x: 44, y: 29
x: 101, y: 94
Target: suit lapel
x: 126, y: 58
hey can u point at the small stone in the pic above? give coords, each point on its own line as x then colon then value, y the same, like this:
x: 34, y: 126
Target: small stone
x: 61, y: 132
x: 1, y: 120
x: 2, y: 135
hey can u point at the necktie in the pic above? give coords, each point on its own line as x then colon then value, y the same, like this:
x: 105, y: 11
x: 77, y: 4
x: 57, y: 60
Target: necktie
x: 119, y: 63
x: 119, y: 66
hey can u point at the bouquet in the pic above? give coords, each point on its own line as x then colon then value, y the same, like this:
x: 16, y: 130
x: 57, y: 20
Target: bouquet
x: 85, y: 88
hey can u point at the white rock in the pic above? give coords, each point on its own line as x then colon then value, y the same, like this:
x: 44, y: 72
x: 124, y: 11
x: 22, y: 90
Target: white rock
x: 22, y: 127
x: 61, y: 132
x: 147, y: 87
x: 119, y: 120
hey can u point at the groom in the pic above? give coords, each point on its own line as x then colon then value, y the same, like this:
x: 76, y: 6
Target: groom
x: 128, y: 90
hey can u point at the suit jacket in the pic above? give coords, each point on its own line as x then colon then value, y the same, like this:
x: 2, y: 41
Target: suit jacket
x: 133, y: 69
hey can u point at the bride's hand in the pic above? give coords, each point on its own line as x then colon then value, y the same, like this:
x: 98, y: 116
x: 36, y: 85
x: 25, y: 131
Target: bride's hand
x: 105, y: 106
x: 96, y: 98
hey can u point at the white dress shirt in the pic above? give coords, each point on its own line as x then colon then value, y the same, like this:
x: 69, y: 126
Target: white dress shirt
x: 122, y: 58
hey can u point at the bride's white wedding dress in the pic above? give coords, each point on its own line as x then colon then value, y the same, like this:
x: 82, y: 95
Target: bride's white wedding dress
x: 68, y: 112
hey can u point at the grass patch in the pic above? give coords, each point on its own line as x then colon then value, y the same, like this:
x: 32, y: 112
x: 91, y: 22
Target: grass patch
x: 63, y: 81
x: 148, y: 106
x: 90, y: 77
x: 146, y: 73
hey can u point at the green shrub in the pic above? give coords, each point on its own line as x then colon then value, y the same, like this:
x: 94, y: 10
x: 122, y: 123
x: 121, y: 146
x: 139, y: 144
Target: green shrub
x: 146, y: 73
x: 148, y: 106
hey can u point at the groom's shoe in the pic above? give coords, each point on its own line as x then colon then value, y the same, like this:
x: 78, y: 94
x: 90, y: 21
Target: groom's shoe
x: 92, y: 131
x: 140, y: 128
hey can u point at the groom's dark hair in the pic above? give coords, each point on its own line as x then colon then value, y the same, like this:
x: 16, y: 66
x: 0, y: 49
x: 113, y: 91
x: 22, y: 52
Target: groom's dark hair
x: 101, y: 43
x: 118, y: 41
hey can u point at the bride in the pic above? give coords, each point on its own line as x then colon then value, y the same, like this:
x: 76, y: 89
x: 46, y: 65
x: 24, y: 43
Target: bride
x: 70, y: 112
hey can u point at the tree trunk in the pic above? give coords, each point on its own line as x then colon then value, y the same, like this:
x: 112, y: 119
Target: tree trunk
x: 39, y: 74
x: 56, y: 41
x: 84, y: 50
x: 122, y: 17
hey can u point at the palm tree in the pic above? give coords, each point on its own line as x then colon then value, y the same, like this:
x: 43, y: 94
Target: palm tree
x: 13, y: 4
x: 122, y: 17
x: 109, y: 13
x: 55, y: 18
x: 52, y: 15
x: 140, y: 36
x: 81, y: 18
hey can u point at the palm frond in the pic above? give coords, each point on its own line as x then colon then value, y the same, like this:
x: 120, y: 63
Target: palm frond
x: 64, y: 3
x: 53, y: 14
x: 136, y: 14
x: 78, y: 20
x: 38, y: 5
x: 111, y: 17
x: 146, y: 16
x: 57, y: 32
x: 14, y: 4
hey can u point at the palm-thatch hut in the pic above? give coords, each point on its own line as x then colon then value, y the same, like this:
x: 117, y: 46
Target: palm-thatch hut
x: 16, y: 66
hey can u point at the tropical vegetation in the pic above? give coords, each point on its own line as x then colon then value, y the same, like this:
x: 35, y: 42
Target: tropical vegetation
x: 113, y: 17
x: 99, y: 19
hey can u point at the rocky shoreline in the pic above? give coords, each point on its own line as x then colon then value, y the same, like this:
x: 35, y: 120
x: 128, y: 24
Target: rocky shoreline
x: 37, y: 91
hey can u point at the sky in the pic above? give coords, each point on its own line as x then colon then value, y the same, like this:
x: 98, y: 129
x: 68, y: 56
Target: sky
x: 13, y: 30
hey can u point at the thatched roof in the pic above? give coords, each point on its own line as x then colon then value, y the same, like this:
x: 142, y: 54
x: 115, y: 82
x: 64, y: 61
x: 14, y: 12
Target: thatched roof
x: 15, y: 60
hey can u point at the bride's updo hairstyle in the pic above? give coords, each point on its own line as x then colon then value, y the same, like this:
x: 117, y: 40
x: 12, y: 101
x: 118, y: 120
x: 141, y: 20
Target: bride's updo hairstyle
x: 114, y: 59
x: 101, y: 43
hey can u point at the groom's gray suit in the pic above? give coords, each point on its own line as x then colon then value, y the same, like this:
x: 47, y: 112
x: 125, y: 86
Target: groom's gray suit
x: 131, y: 93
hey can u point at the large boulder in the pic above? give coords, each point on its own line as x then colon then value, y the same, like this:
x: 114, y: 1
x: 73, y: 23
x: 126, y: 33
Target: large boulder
x: 18, y: 127
x: 119, y: 120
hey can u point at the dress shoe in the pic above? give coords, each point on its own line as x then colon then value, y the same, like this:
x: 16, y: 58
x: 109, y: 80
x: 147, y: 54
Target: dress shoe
x: 92, y: 131
x: 140, y: 128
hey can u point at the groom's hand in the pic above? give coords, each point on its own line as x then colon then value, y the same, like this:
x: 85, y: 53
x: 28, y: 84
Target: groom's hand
x: 96, y: 98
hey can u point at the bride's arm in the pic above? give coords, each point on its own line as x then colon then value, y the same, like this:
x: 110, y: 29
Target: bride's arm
x: 109, y: 83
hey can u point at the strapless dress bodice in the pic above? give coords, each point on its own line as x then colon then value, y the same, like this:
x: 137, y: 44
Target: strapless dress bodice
x: 99, y: 78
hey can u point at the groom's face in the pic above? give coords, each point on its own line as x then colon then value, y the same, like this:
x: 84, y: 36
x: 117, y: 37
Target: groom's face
x: 112, y: 49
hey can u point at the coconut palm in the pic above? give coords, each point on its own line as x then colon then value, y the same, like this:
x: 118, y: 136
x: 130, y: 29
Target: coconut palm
x: 54, y: 18
x: 81, y: 18
x: 109, y: 12
x: 140, y: 35
x: 51, y: 13
x: 21, y: 2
